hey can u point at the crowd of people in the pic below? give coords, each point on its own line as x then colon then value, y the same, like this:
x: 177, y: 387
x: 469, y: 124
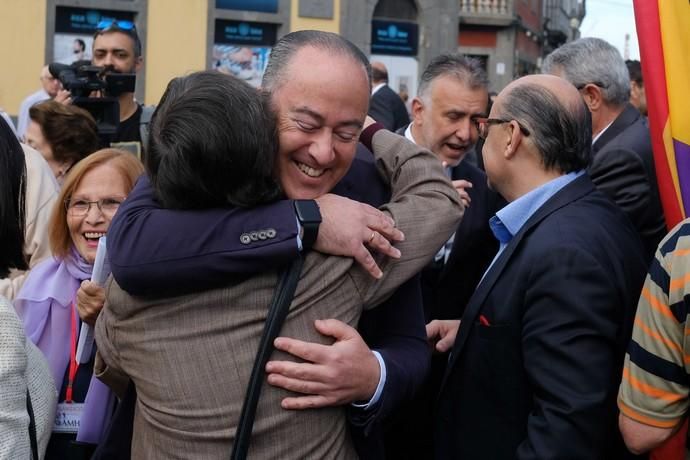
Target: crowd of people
x: 471, y: 273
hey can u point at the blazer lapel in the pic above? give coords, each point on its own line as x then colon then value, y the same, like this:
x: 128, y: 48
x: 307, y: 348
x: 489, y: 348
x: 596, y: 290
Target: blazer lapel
x: 571, y: 192
x: 626, y: 118
x: 456, y: 173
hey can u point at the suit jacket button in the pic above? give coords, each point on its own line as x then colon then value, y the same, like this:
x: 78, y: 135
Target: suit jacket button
x: 270, y: 232
x: 254, y: 236
x: 245, y: 238
x: 262, y: 234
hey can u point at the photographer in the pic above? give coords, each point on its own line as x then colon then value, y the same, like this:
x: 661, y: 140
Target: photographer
x: 117, y: 50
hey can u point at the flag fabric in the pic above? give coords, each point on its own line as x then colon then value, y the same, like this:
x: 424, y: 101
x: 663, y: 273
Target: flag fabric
x: 663, y: 30
x: 664, y: 36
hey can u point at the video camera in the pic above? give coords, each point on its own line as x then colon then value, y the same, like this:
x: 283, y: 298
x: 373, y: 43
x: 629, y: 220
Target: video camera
x: 81, y: 79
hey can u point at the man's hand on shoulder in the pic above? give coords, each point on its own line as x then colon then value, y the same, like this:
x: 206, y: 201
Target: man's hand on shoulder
x: 350, y: 228
x: 331, y: 375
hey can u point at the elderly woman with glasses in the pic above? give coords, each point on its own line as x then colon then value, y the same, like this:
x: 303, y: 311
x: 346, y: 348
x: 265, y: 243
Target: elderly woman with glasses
x: 90, y: 196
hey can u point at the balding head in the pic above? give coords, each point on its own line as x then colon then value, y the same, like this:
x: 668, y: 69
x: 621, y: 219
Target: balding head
x: 333, y: 45
x: 51, y: 85
x: 379, y: 73
x: 553, y: 112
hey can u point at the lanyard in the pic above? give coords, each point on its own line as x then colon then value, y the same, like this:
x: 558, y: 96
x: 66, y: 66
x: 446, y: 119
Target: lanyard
x: 73, y: 364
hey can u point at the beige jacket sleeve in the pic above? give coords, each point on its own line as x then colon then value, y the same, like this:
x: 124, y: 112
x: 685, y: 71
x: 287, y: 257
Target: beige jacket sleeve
x: 106, y: 366
x: 41, y: 194
x: 424, y: 205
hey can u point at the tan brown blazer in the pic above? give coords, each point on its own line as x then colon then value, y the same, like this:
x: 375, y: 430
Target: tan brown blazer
x: 191, y: 356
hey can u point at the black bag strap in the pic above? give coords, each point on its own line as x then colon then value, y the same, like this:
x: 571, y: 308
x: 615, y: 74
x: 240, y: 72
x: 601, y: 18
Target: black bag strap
x: 32, y: 427
x: 277, y: 312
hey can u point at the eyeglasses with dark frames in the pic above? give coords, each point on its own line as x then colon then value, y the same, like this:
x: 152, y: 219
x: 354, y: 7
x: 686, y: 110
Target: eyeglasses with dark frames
x: 107, y: 206
x: 482, y: 124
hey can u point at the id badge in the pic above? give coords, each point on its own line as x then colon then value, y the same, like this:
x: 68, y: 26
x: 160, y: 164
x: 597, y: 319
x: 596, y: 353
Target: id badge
x: 67, y: 417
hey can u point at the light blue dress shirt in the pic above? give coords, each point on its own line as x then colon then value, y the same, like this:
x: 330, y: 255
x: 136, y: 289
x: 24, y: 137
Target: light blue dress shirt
x: 508, y: 221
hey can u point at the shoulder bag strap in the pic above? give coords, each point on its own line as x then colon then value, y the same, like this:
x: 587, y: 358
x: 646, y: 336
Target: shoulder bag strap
x: 144, y: 122
x: 282, y: 298
x: 32, y: 427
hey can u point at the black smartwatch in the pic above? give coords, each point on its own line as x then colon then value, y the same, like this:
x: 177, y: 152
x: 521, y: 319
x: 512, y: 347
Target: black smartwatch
x: 309, y: 217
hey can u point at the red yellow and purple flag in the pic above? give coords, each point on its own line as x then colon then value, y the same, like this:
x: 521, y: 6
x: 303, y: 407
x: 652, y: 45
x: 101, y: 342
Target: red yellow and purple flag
x: 663, y: 30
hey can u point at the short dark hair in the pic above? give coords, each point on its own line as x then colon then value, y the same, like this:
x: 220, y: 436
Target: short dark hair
x: 290, y: 44
x: 71, y: 131
x: 12, y: 201
x: 635, y: 71
x: 81, y: 42
x: 212, y: 143
x: 465, y: 69
x: 563, y: 135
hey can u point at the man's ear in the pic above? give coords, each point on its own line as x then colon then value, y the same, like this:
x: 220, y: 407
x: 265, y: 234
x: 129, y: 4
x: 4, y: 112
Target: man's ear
x: 417, y: 110
x: 592, y: 96
x: 514, y: 140
x: 138, y: 63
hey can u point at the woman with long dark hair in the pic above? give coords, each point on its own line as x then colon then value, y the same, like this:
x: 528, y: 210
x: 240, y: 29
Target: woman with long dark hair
x: 25, y: 175
x: 24, y: 373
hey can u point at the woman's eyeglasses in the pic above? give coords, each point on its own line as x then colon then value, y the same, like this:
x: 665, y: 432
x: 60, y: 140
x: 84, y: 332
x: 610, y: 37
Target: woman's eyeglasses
x: 107, y: 206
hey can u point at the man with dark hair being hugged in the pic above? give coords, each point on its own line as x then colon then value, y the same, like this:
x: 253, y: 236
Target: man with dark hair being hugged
x: 535, y: 366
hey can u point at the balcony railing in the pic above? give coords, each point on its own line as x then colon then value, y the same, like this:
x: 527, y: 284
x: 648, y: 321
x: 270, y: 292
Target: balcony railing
x: 490, y: 12
x: 484, y: 6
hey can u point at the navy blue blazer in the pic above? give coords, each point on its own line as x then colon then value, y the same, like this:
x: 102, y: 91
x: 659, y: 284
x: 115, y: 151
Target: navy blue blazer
x: 446, y: 288
x: 154, y: 251
x: 535, y: 368
x: 387, y: 108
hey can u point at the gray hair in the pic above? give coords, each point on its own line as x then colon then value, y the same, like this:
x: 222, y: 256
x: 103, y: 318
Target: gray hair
x: 467, y: 70
x: 592, y: 60
x: 286, y: 48
x: 562, y: 134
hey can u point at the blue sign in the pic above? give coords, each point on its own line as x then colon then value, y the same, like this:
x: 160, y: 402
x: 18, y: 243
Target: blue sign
x: 245, y: 33
x: 264, y: 6
x: 70, y: 20
x: 392, y: 37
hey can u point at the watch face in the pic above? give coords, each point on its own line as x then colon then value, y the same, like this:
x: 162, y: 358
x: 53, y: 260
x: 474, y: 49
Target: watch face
x: 307, y: 211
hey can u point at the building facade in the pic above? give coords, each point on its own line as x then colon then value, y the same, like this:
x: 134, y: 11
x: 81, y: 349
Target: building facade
x: 236, y: 36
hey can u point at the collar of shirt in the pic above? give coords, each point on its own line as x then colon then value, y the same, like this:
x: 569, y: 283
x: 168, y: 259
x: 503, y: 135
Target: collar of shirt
x: 596, y: 138
x: 377, y: 87
x: 509, y: 220
x: 408, y: 134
